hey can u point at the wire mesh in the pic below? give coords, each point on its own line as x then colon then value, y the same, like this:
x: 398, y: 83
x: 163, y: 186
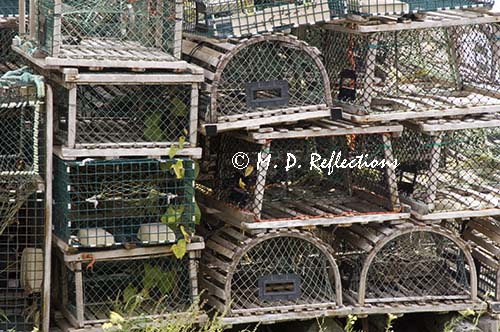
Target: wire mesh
x: 262, y: 74
x: 21, y: 267
x: 101, y: 203
x: 118, y: 28
x: 415, y: 265
x: 232, y: 18
x: 132, y: 287
x: 127, y: 115
x: 314, y: 185
x: 9, y: 60
x: 451, y: 172
x: 9, y: 8
x: 414, y: 70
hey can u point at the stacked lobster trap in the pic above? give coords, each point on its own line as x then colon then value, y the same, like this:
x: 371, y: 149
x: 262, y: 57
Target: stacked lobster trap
x: 9, y: 20
x: 22, y: 203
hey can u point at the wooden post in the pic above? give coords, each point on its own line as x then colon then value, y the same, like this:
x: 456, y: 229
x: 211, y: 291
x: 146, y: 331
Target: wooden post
x: 390, y: 171
x: 79, y: 293
x: 369, y: 78
x: 48, y: 209
x: 193, y: 115
x: 56, y: 33
x: 261, y: 180
x: 179, y: 15
x: 32, y: 18
x: 72, y: 116
x: 433, y: 169
x: 22, y: 18
x: 193, y: 274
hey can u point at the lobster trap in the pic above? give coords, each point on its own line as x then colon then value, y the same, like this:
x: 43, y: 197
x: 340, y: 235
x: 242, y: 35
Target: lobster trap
x: 395, y: 73
x: 105, y: 203
x: 133, y: 284
x: 114, y: 115
x: 286, y: 271
x: 482, y: 234
x: 22, y: 266
x: 261, y: 80
x: 233, y: 18
x: 313, y: 174
x: 450, y: 168
x: 119, y: 33
x: 9, y: 60
x: 403, y: 264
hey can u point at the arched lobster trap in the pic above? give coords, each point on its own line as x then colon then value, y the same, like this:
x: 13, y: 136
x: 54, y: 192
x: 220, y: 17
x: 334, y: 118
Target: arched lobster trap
x: 384, y: 73
x: 285, y: 271
x: 404, y: 263
x: 450, y: 168
x: 261, y: 80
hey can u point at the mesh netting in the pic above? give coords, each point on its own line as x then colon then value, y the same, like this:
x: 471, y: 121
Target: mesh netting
x: 9, y: 60
x: 126, y: 115
x: 414, y: 70
x: 227, y: 18
x: 21, y: 267
x: 117, y: 28
x: 19, y: 155
x: 416, y: 265
x: 265, y: 73
x: 452, y: 171
x: 306, y: 189
x: 103, y: 203
x: 132, y: 287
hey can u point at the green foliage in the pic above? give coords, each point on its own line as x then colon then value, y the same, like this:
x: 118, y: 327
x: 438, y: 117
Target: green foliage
x: 179, y: 249
x: 173, y: 215
x: 351, y: 321
x: 152, y: 131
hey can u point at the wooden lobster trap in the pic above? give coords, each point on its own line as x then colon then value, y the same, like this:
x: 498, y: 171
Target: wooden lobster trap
x: 9, y: 60
x: 390, y: 266
x: 261, y: 80
x: 285, y: 271
x: 135, y: 283
x: 106, y: 203
x: 22, y: 266
x: 450, y: 168
x: 317, y: 173
x: 94, y: 33
x: 235, y: 18
x: 414, y: 70
x: 483, y: 235
x: 126, y: 114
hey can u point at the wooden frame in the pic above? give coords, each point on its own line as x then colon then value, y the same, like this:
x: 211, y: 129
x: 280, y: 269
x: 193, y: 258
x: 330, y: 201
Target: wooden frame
x: 251, y: 220
x: 214, y: 56
x: 424, y: 210
x: 70, y: 78
x: 70, y: 261
x: 98, y: 53
x: 225, y: 255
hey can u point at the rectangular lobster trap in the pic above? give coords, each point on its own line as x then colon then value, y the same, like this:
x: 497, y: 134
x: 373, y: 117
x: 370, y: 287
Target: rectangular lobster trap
x: 235, y: 18
x: 95, y: 33
x: 133, y: 283
x: 293, y: 176
x: 400, y: 265
x: 405, y: 71
x: 483, y: 236
x: 450, y: 168
x: 9, y: 60
x: 106, y: 203
x: 122, y: 114
x: 22, y: 266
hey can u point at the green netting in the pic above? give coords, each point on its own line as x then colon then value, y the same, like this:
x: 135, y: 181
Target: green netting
x: 101, y: 203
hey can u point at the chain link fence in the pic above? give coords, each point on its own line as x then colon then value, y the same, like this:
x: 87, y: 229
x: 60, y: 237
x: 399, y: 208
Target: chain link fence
x: 126, y: 116
x: 402, y: 263
x: 300, y: 178
x: 259, y: 77
x: 21, y: 267
x: 100, y: 203
x: 453, y: 172
x: 404, y: 74
x: 255, y: 280
x: 117, y: 29
x: 131, y: 287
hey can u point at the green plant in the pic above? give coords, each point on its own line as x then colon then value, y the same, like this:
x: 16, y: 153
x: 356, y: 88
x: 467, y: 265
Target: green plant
x: 352, y: 319
x: 468, y: 314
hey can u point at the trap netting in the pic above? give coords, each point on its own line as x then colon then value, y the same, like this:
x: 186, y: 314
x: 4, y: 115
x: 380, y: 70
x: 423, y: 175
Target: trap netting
x: 235, y: 18
x: 451, y: 69
x: 117, y: 29
x: 21, y: 267
x: 131, y: 287
x: 9, y: 60
x: 456, y: 171
x: 262, y: 75
x: 305, y: 178
x: 21, y: 112
x: 124, y: 115
x: 101, y: 203
x: 406, y: 263
x: 285, y: 271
